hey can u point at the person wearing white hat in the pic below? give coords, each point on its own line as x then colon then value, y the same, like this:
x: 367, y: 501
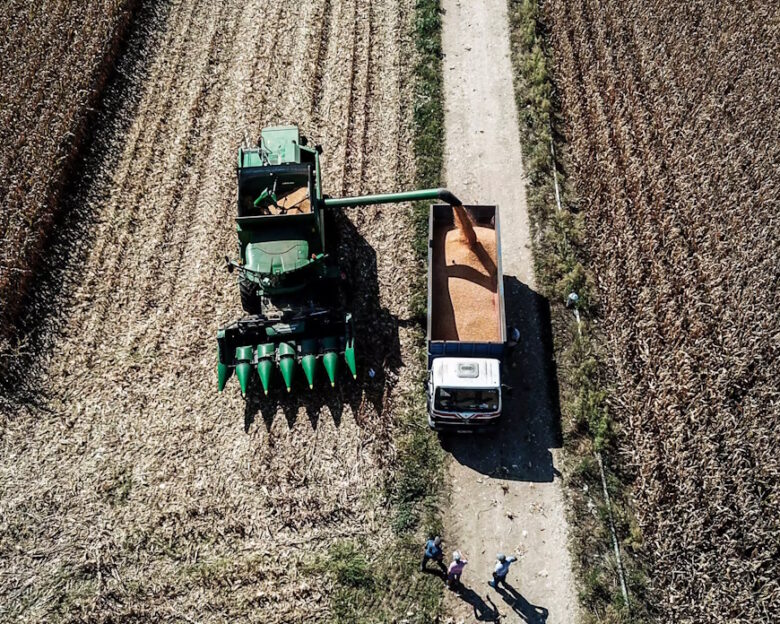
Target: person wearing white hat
x: 455, y: 570
x: 501, y: 570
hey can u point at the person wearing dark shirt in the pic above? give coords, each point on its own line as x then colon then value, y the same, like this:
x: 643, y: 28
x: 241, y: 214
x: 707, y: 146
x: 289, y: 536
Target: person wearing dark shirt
x: 433, y: 551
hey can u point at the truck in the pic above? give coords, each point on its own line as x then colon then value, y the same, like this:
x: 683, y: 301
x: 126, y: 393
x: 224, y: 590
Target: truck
x: 466, y: 321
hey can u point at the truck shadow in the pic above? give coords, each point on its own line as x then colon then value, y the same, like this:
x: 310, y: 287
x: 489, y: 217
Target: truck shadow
x: 377, y: 344
x: 519, y: 447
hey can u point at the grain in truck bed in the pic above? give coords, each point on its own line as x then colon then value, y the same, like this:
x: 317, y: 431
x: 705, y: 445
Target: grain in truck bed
x: 464, y: 295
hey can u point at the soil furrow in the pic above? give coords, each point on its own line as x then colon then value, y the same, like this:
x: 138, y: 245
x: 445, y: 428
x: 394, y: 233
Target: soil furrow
x: 124, y: 195
x: 319, y: 63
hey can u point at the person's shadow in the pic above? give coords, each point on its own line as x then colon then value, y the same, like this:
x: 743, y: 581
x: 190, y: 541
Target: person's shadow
x: 531, y: 614
x: 482, y: 612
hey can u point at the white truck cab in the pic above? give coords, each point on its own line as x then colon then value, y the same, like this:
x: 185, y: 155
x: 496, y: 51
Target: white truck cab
x: 464, y: 391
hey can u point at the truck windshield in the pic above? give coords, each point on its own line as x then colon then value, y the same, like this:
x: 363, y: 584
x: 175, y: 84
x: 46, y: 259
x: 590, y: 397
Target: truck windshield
x: 466, y: 400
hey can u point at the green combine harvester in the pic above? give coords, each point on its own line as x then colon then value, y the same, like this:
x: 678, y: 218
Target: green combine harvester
x: 292, y: 289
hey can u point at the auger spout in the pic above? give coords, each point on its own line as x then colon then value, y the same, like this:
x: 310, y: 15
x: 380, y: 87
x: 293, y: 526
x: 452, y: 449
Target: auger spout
x: 441, y: 194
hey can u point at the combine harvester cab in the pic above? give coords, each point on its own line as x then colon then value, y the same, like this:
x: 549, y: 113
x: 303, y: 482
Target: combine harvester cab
x: 291, y: 285
x: 291, y: 288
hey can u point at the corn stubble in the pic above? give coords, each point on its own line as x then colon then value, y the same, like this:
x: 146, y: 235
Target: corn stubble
x: 131, y: 490
x: 672, y: 117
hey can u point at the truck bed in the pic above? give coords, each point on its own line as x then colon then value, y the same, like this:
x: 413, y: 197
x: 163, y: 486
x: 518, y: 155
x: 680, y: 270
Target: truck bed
x: 465, y: 294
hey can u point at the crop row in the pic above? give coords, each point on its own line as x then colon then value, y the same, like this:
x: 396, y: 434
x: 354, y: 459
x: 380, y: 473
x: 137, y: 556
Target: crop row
x: 55, y: 58
x: 671, y: 115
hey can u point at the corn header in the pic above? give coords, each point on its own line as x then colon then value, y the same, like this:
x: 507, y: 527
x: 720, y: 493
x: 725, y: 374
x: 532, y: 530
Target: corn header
x: 291, y: 287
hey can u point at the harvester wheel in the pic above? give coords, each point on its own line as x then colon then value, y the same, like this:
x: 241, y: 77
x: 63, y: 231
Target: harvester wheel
x: 249, y: 299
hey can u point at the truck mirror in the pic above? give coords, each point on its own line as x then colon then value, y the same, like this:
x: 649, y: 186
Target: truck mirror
x: 229, y: 264
x: 506, y: 389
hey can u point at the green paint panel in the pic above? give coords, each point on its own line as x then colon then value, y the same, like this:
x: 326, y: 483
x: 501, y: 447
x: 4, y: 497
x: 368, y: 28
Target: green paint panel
x: 309, y: 364
x: 264, y: 368
x: 282, y: 144
x: 287, y: 363
x: 265, y: 353
x: 242, y: 372
x: 331, y: 362
x: 277, y: 256
x: 243, y: 368
x: 309, y: 359
x: 223, y: 374
x: 331, y: 343
x: 349, y: 357
x: 250, y: 158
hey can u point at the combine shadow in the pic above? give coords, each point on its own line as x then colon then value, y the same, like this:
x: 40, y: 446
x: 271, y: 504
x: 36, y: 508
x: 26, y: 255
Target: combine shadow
x: 529, y: 613
x: 519, y: 448
x: 42, y: 316
x: 377, y: 344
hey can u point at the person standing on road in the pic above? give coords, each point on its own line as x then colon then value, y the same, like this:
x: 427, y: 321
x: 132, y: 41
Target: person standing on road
x: 433, y: 551
x: 501, y: 570
x: 455, y: 570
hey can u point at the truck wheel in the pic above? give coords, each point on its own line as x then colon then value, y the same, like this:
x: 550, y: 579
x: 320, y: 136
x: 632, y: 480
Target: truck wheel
x: 249, y: 299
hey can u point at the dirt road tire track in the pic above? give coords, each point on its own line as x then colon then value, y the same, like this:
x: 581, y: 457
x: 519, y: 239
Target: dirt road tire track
x: 130, y: 488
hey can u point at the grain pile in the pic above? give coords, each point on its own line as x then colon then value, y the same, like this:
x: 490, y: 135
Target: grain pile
x: 464, y: 282
x: 52, y: 69
x: 672, y: 112
x: 130, y: 489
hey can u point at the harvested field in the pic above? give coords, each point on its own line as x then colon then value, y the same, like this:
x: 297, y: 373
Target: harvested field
x: 464, y: 287
x: 51, y: 71
x: 131, y: 490
x: 672, y: 115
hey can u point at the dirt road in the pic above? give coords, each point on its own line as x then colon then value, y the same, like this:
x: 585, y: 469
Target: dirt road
x: 128, y: 488
x: 506, y: 491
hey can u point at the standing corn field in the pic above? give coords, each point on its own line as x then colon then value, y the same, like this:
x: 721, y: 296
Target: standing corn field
x: 52, y: 71
x: 672, y: 116
x: 129, y: 490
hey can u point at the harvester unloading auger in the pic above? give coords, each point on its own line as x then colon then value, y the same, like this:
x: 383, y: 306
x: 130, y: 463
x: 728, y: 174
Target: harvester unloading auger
x: 291, y: 286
